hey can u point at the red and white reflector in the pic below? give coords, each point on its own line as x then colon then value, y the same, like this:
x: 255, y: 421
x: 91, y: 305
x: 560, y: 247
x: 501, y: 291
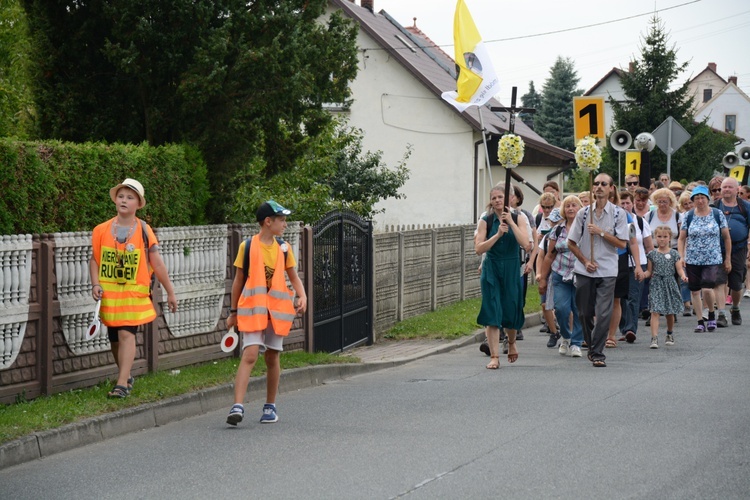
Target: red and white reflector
x: 96, y: 325
x: 229, y: 341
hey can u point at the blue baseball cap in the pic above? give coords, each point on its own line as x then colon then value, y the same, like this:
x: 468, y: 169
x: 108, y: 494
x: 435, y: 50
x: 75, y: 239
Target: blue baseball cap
x: 700, y: 190
x: 554, y: 216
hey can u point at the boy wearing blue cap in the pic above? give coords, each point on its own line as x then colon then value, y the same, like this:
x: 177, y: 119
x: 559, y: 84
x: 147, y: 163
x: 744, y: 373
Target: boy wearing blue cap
x: 262, y: 308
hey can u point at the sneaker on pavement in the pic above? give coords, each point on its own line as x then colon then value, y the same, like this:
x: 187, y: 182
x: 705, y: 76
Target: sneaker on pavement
x: 235, y: 414
x: 553, y: 338
x: 648, y: 321
x: 736, y: 316
x: 721, y: 320
x: 505, y: 346
x: 711, y: 325
x: 728, y: 300
x: 519, y: 335
x: 654, y: 343
x: 269, y: 414
x: 746, y: 294
x: 670, y: 340
x: 564, y: 347
x: 630, y: 337
x: 575, y: 351
x: 544, y: 328
x: 687, y: 311
x: 485, y: 347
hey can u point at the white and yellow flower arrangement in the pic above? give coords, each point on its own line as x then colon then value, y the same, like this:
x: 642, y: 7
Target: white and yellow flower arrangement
x: 588, y: 154
x: 510, y: 150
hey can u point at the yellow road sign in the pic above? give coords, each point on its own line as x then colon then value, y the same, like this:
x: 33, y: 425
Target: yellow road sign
x: 632, y: 162
x: 588, y: 117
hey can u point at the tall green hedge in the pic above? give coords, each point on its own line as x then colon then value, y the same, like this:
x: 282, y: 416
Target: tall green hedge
x: 54, y: 186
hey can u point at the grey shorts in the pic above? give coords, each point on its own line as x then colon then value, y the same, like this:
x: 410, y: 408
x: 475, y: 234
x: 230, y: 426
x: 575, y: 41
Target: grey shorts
x: 267, y: 339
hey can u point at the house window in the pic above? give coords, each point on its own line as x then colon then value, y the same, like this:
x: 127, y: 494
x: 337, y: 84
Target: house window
x: 707, y: 93
x: 730, y: 123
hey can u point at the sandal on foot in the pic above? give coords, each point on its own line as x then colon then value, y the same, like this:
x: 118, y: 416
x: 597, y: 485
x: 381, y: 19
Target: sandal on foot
x: 599, y: 363
x: 494, y: 363
x: 118, y: 391
x: 610, y: 343
x: 512, y: 356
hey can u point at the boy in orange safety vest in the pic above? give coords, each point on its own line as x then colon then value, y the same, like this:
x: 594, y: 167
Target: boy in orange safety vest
x: 121, y: 278
x: 262, y: 307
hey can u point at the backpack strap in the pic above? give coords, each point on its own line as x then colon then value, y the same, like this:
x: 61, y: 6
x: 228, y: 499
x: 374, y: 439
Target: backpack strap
x: 688, y: 219
x: 246, y: 255
x: 144, y: 235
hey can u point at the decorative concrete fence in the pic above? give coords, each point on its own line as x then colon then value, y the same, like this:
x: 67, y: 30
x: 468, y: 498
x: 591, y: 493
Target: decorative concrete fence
x: 47, y: 303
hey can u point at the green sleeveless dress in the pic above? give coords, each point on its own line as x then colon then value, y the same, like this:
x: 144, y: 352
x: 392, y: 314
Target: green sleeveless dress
x: 502, y: 300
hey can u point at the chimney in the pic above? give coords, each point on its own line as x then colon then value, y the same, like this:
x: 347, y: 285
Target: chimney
x: 733, y: 79
x: 712, y: 67
x: 368, y: 4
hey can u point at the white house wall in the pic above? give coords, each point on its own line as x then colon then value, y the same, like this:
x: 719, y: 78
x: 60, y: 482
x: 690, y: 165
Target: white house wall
x: 396, y: 110
x: 610, y: 87
x: 728, y: 102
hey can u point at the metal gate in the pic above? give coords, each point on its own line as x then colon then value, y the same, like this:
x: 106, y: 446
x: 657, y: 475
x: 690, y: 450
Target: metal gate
x: 342, y: 288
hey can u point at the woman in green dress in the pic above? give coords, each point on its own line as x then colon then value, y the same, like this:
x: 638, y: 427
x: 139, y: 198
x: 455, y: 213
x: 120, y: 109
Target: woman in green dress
x: 500, y: 236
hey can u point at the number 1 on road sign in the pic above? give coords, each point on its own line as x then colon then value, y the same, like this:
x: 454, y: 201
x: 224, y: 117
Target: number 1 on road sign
x: 588, y: 117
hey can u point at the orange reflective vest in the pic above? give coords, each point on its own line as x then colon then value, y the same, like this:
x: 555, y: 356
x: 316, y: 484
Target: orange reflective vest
x: 124, y: 276
x: 257, y: 302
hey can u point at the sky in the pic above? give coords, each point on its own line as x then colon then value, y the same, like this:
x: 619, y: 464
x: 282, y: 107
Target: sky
x: 606, y: 35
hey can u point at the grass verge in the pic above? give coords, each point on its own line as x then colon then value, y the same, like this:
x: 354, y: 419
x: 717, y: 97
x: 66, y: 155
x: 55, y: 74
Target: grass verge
x: 449, y: 322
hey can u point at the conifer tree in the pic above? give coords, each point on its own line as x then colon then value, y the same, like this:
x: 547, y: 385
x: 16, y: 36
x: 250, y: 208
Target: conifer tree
x: 653, y: 93
x: 531, y: 99
x: 554, y: 121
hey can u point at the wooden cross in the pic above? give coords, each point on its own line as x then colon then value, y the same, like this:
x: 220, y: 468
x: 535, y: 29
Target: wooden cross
x: 513, y: 111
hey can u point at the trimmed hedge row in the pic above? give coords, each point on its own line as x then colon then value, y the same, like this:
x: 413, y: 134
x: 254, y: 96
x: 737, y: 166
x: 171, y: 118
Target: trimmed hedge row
x: 55, y: 186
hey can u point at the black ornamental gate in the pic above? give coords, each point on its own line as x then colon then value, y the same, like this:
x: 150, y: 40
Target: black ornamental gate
x: 342, y: 289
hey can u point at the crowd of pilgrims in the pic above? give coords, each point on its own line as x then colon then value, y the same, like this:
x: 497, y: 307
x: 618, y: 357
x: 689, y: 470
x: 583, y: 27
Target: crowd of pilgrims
x: 682, y: 250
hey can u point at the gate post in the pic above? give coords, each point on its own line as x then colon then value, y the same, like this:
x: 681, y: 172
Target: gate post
x: 308, y: 276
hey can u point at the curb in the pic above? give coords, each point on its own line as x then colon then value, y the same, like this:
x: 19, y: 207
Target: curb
x: 103, y: 427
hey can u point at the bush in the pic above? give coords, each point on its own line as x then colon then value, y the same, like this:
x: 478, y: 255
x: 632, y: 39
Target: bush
x: 54, y: 186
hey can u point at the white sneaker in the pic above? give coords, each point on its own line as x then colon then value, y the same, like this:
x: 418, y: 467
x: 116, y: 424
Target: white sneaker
x: 564, y: 347
x: 575, y: 351
x: 654, y: 343
x: 746, y: 294
x: 670, y: 340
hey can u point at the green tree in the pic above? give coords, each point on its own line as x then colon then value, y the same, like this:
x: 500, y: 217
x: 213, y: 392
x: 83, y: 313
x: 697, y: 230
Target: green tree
x: 652, y: 94
x: 554, y: 121
x: 333, y: 173
x: 244, y: 81
x: 531, y: 99
x: 15, y: 93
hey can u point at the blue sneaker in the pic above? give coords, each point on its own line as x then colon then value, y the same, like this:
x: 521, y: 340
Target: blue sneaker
x: 269, y: 414
x: 235, y: 414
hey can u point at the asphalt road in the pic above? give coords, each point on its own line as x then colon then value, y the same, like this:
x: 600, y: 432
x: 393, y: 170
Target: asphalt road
x: 666, y: 423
